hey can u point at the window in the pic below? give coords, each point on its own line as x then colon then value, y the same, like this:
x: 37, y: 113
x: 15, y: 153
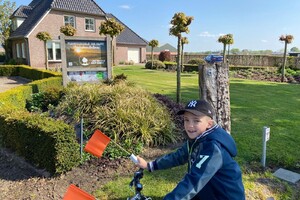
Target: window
x: 89, y: 24
x: 18, y: 50
x: 69, y: 20
x: 23, y: 50
x: 54, y: 53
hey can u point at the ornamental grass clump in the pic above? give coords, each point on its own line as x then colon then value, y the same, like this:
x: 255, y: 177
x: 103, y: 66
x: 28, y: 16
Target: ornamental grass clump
x: 129, y: 115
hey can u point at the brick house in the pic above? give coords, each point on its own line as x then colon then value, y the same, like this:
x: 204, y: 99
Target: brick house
x: 49, y: 15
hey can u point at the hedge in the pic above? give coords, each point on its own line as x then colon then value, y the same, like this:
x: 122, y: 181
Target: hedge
x: 47, y: 143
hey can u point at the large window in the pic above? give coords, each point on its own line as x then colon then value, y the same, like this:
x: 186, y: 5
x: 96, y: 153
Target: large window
x: 69, y: 20
x: 89, y: 24
x: 23, y: 50
x: 54, y: 51
x: 18, y: 50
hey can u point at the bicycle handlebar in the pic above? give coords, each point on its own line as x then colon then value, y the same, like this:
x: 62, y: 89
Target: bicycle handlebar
x: 138, y: 175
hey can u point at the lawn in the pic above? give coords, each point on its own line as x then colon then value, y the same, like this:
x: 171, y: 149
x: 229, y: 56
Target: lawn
x: 254, y: 104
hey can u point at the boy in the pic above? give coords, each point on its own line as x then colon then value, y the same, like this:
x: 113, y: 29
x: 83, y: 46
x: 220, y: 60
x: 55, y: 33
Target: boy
x: 212, y: 172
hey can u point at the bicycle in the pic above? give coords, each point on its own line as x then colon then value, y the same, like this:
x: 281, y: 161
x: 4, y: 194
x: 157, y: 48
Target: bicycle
x: 138, y: 175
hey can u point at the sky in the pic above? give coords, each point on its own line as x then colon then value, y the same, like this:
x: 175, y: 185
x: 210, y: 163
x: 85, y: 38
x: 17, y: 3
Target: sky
x: 255, y: 24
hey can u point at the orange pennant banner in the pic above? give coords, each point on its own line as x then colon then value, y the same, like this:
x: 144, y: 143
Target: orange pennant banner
x: 75, y: 193
x: 97, y: 143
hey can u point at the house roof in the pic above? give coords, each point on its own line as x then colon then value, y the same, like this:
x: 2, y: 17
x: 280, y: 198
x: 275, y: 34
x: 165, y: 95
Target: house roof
x: 128, y: 36
x: 38, y: 8
x: 164, y: 47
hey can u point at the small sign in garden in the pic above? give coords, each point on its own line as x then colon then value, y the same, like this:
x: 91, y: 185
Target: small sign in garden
x: 85, y: 59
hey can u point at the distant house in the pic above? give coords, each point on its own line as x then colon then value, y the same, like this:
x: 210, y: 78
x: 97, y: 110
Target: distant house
x: 49, y: 15
x: 165, y: 47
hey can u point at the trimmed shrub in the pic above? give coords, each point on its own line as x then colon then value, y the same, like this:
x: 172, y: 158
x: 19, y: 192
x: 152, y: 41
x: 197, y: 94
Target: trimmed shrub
x: 197, y: 61
x: 45, y: 142
x: 128, y: 115
x: 164, y: 56
x: 156, y: 65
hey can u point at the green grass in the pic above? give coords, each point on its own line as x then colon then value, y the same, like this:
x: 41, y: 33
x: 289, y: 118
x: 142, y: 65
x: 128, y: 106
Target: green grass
x: 254, y: 104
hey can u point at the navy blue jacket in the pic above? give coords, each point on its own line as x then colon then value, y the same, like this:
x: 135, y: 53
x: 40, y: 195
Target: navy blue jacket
x: 212, y: 172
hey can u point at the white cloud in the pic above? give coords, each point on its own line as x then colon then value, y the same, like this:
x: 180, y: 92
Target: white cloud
x: 127, y: 7
x: 264, y: 41
x: 207, y: 34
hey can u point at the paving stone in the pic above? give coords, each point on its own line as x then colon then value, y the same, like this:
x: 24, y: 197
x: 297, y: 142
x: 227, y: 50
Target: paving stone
x: 287, y: 175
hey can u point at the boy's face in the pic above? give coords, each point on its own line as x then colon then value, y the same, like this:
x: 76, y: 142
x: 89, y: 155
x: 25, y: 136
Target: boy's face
x: 195, y: 125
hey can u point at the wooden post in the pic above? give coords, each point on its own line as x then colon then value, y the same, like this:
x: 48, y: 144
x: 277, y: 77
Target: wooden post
x: 214, y: 88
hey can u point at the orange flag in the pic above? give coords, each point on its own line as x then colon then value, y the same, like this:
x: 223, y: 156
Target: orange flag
x: 97, y: 143
x: 75, y: 193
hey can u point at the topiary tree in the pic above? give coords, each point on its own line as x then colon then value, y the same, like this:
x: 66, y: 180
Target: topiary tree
x: 152, y: 44
x: 184, y: 41
x: 180, y: 24
x: 225, y: 39
x: 112, y: 28
x: 287, y: 39
x: 68, y: 30
x: 164, y: 56
x: 44, y: 36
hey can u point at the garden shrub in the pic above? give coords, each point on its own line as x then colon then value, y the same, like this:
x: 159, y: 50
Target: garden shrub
x: 47, y: 143
x: 129, y: 115
x: 197, y: 61
x: 172, y: 66
x: 157, y: 64
x: 164, y: 56
x: 42, y: 100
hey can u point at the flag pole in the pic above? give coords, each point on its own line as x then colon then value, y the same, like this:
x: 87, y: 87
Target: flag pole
x: 121, y: 147
x: 132, y: 157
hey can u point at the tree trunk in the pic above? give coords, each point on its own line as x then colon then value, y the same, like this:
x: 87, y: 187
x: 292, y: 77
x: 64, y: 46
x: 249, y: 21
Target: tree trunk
x: 224, y: 53
x: 284, y: 63
x: 178, y: 94
x: 46, y: 55
x: 112, y: 52
x: 152, y: 58
x: 182, y: 57
x: 214, y: 88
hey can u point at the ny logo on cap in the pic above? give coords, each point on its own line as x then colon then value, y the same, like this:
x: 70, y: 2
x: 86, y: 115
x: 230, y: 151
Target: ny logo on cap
x: 192, y: 104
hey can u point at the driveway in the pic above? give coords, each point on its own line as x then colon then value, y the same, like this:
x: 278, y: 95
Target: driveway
x: 7, y: 83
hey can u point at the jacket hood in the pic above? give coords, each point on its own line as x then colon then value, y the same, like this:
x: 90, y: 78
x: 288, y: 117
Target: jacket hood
x: 225, y: 139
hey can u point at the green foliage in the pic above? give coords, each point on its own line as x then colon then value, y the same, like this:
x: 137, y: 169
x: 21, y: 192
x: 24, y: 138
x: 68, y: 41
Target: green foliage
x: 16, y: 97
x: 6, y: 10
x: 180, y: 23
x: 45, y: 142
x: 156, y: 64
x: 226, y: 39
x: 164, y: 56
x: 44, y: 36
x: 42, y: 100
x: 111, y: 27
x: 153, y: 43
x: 68, y: 30
x: 128, y: 115
x: 197, y: 61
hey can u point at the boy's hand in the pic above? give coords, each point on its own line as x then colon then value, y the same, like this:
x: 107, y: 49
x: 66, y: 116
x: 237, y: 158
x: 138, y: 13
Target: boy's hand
x: 142, y: 163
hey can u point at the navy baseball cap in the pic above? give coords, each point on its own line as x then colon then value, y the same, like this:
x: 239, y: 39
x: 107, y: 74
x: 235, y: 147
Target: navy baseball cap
x: 199, y: 108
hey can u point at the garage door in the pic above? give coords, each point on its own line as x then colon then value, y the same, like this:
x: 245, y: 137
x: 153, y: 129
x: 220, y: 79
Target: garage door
x: 134, y: 55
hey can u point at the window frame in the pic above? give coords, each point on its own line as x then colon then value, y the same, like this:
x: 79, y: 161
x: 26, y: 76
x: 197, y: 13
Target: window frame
x: 54, y: 49
x: 93, y: 24
x: 68, y: 22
